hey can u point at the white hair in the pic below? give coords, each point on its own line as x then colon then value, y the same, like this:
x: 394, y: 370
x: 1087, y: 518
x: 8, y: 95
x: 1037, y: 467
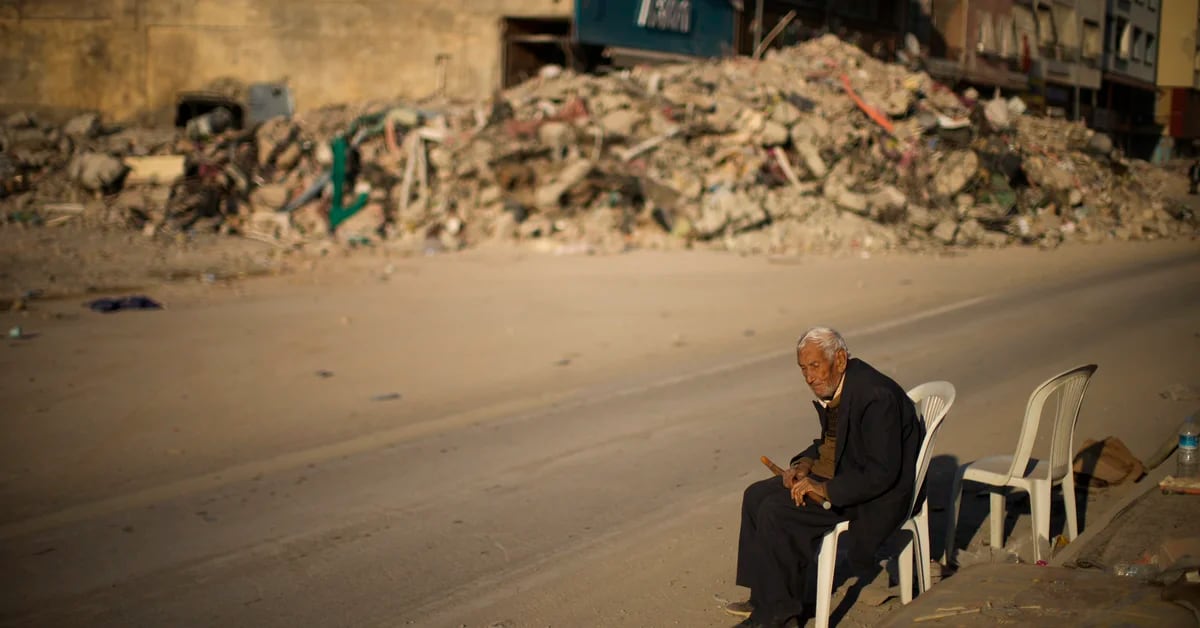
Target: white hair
x: 829, y: 340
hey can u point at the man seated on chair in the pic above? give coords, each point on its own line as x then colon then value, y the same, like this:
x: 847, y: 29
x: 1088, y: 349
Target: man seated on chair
x: 863, y: 464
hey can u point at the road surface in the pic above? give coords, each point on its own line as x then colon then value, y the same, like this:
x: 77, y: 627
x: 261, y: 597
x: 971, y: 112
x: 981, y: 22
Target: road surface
x: 603, y: 499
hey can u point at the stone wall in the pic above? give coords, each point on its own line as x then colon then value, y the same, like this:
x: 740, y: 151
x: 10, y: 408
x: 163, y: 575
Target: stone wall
x: 130, y: 58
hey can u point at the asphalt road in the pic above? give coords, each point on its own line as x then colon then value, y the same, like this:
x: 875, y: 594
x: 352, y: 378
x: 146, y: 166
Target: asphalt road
x: 546, y: 517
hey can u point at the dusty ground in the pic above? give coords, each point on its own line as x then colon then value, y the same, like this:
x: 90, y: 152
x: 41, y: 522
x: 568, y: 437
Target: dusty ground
x: 313, y: 442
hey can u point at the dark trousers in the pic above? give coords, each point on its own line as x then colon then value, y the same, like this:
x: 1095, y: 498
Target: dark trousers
x: 777, y: 543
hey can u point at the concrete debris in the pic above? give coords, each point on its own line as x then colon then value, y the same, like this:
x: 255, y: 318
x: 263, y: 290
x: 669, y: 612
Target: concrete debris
x: 97, y: 172
x: 820, y: 148
x: 155, y: 170
x: 83, y: 126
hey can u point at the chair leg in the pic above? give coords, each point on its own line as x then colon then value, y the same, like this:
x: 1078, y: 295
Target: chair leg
x: 905, y: 567
x: 996, y: 519
x: 925, y: 578
x: 952, y: 516
x: 826, y: 562
x: 1039, y: 506
x: 1068, y: 491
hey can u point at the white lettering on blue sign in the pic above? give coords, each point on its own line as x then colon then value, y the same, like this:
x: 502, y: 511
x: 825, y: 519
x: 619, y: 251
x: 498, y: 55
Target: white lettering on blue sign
x: 666, y: 15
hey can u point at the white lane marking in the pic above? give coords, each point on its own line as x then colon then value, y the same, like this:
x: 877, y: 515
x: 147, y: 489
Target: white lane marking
x: 540, y: 406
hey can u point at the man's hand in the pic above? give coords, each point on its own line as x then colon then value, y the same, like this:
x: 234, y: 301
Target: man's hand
x: 810, y: 488
x: 797, y: 472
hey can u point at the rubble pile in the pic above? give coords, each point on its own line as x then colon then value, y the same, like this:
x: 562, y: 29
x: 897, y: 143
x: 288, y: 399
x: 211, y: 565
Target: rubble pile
x: 818, y: 147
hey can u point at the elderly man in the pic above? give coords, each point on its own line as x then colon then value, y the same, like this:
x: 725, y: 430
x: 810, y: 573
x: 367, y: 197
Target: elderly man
x: 863, y: 464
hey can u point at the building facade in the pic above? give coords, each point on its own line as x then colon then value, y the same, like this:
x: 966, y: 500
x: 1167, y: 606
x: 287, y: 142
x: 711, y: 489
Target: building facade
x: 1049, y: 52
x: 1177, y: 107
x: 1066, y: 72
x: 1125, y: 107
x: 981, y: 43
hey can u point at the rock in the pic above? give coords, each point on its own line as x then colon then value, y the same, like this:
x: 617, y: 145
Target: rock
x: 83, y: 126
x: 997, y: 114
x: 969, y: 232
x: 888, y: 204
x: 270, y: 197
x: 558, y: 137
x: 20, y: 120
x: 620, y: 122
x: 773, y: 134
x: 956, y: 170
x: 785, y: 113
x: 1100, y: 144
x: 690, y: 185
x: 851, y: 201
x: 1075, y: 197
x: 365, y: 223
x: 812, y: 129
x: 727, y: 211
x: 811, y: 158
x: 32, y: 138
x: 504, y: 228
x: 921, y: 217
x: 549, y: 196
x: 155, y: 170
x: 945, y: 231
x: 898, y: 103
x: 995, y: 239
x: 289, y: 157
x: 97, y: 172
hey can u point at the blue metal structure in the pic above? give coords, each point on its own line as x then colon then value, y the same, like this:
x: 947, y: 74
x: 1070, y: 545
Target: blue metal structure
x: 700, y: 28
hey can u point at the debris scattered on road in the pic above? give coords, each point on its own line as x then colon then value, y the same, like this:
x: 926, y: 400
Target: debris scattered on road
x: 1180, y: 392
x: 137, y: 302
x: 387, y: 397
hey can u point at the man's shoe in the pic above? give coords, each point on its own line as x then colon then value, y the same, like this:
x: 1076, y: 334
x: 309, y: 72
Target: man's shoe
x: 739, y: 609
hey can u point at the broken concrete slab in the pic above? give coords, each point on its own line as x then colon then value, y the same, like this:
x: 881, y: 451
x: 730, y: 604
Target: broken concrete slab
x: 550, y: 195
x: 97, y: 171
x: 83, y: 126
x: 156, y: 170
x: 945, y: 231
x: 956, y: 170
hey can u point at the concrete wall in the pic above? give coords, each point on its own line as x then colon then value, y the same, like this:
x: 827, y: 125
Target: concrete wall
x: 1177, y: 41
x: 131, y: 57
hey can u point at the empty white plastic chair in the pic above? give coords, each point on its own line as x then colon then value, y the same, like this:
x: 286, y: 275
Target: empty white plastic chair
x: 933, y: 401
x: 1034, y: 476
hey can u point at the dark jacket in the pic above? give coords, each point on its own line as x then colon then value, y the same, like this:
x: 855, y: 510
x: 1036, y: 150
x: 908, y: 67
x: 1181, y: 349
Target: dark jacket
x: 878, y: 438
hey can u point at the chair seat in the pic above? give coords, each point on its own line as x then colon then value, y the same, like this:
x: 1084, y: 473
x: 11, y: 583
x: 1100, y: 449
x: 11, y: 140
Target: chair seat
x: 993, y: 470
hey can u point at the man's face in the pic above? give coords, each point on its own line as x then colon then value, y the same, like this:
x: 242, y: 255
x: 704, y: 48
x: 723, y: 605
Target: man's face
x: 820, y: 373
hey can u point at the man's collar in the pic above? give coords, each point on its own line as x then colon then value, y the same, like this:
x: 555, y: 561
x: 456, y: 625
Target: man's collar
x: 837, y: 394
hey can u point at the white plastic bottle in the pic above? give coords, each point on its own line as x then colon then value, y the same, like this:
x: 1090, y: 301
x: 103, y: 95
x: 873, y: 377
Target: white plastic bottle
x: 1187, y: 459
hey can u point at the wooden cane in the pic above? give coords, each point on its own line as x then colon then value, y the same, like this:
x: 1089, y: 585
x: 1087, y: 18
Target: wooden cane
x: 777, y: 471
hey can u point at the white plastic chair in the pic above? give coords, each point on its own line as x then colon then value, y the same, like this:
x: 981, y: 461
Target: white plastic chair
x: 1034, y: 476
x: 933, y: 401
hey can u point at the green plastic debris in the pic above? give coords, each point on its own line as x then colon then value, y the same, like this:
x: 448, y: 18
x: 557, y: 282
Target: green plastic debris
x: 337, y: 212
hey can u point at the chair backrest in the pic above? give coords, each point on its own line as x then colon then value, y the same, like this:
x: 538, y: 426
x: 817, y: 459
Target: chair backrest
x: 933, y: 401
x: 1070, y: 386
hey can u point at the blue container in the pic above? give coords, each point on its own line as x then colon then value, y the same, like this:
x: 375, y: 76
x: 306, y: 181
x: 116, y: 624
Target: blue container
x: 699, y: 28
